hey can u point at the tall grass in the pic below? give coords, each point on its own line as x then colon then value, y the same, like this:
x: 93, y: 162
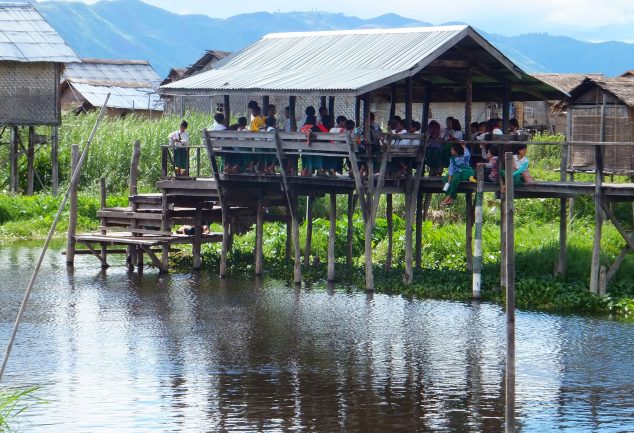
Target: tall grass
x: 13, y: 402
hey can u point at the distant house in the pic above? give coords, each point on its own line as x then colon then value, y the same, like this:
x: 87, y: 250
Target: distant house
x: 603, y: 101
x: 627, y: 74
x: 32, y: 58
x: 131, y: 83
x: 546, y: 114
x: 183, y: 104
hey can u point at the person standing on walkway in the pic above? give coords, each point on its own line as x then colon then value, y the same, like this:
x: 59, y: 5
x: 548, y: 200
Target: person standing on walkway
x: 180, y: 139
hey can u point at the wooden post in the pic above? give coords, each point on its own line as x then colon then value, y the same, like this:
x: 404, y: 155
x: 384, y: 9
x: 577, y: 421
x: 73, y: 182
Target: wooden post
x: 265, y: 106
x: 289, y: 235
x: 368, y: 221
x: 197, y: 242
x: 30, y: 161
x: 469, y: 229
x: 369, y: 267
x: 350, y: 232
x: 14, y: 152
x: 408, y: 99
x: 332, y: 236
x: 331, y: 108
x: 102, y: 201
x: 408, y: 278
x: 134, y: 168
x: 477, y: 258
x: 259, y: 239
x: 165, y: 155
x: 598, y: 200
x: 506, y: 102
x: 323, y: 103
x: 72, y: 218
x: 55, y: 160
x: 309, y: 229
x: 165, y: 226
x: 292, y: 102
x: 224, y: 248
x: 510, y: 295
x: 468, y: 101
x: 419, y: 231
x: 392, y: 100
x: 357, y: 111
x: 390, y: 231
x: 226, y: 104
x: 297, y: 267
x: 502, y: 243
x: 426, y: 104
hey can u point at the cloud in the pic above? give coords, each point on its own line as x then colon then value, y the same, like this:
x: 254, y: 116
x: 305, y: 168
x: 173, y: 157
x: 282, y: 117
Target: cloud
x: 590, y: 13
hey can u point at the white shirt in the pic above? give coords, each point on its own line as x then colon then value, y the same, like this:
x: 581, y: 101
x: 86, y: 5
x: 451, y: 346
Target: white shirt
x: 218, y: 127
x: 457, y: 135
x: 404, y: 141
x: 179, y: 138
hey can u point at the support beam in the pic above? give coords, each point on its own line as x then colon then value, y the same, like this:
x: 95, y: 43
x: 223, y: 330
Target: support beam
x: 102, y: 202
x: 419, y: 231
x: 323, y: 103
x: 289, y: 244
x: 408, y: 98
x: 265, y: 106
x: 390, y: 231
x: 197, y: 241
x: 297, y: 268
x: 598, y: 202
x: 72, y: 213
x: 309, y: 229
x: 331, y: 108
x: 510, y: 295
x: 426, y: 104
x: 468, y: 101
x: 259, y: 239
x: 15, y: 160
x: 469, y: 230
x: 55, y: 160
x: 134, y: 168
x: 332, y: 236
x: 350, y: 231
x: 226, y: 105
x: 30, y: 161
x: 392, y: 100
x: 563, y: 237
x: 292, y: 102
x: 410, y: 202
x: 357, y: 111
x: 506, y: 103
x: 477, y: 257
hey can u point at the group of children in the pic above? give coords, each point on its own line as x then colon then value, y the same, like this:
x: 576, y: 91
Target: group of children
x: 445, y: 149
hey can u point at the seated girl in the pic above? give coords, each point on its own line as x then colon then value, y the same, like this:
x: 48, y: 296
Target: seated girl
x: 459, y: 171
x: 520, y: 167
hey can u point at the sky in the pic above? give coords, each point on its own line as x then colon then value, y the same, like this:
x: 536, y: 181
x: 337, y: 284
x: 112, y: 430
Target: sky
x: 588, y: 20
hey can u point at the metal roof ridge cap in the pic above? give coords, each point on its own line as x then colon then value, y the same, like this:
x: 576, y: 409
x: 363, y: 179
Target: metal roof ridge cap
x: 366, y: 31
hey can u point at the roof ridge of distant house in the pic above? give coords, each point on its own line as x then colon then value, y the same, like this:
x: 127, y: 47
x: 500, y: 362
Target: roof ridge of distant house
x: 114, y: 61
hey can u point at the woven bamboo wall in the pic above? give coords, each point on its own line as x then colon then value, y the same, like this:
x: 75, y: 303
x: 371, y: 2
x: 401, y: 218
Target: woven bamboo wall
x: 586, y: 125
x: 29, y: 93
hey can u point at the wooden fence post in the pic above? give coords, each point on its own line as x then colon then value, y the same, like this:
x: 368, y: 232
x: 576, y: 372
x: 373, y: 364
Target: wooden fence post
x: 72, y: 218
x: 509, y: 263
x: 477, y: 257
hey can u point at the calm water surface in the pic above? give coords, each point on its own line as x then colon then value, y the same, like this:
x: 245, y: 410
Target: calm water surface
x: 115, y: 352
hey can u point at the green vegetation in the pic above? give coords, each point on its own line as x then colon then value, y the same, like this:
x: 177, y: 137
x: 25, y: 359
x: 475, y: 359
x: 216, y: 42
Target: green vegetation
x: 443, y: 258
x: 13, y: 402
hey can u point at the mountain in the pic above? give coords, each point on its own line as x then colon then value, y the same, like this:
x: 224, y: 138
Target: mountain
x: 131, y: 29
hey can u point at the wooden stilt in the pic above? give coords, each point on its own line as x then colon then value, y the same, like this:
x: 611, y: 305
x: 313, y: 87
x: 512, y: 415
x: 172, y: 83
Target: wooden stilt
x: 418, y: 253
x: 292, y: 101
x: 598, y: 210
x: 226, y: 106
x: 289, y: 244
x: 331, y: 107
x: 15, y: 155
x: 297, y: 268
x: 469, y: 229
x: 197, y: 242
x: 390, y: 231
x: 224, y: 248
x: 502, y: 243
x: 426, y: 205
x: 369, y: 269
x: 102, y: 199
x: 30, y: 161
x: 563, y: 235
x: 510, y: 295
x: 165, y: 226
x: 408, y: 277
x: 309, y: 229
x: 477, y: 258
x: 259, y: 239
x: 392, y: 100
x: 332, y: 236
x: 54, y: 160
x: 408, y: 98
x: 350, y: 232
x: 72, y: 219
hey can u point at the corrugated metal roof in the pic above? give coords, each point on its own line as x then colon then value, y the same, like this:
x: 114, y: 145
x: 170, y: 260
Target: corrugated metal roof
x: 25, y: 36
x: 347, y: 61
x: 120, y: 97
x: 123, y: 73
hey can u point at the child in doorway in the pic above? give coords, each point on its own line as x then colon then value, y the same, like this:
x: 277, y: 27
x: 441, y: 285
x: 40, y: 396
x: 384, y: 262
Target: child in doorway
x: 459, y: 170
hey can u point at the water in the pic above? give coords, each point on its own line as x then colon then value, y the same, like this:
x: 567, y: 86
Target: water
x: 115, y: 352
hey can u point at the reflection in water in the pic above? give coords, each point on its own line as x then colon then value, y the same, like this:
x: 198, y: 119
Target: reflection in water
x: 116, y: 351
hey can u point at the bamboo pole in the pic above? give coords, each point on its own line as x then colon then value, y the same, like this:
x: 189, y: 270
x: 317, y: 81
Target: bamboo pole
x: 477, y: 257
x: 309, y: 229
x: 598, y: 211
x: 15, y: 174
x: 36, y: 270
x: 72, y: 217
x: 332, y: 236
x: 510, y: 294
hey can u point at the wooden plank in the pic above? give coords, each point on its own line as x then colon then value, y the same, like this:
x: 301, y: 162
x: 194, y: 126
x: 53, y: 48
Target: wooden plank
x: 148, y: 216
